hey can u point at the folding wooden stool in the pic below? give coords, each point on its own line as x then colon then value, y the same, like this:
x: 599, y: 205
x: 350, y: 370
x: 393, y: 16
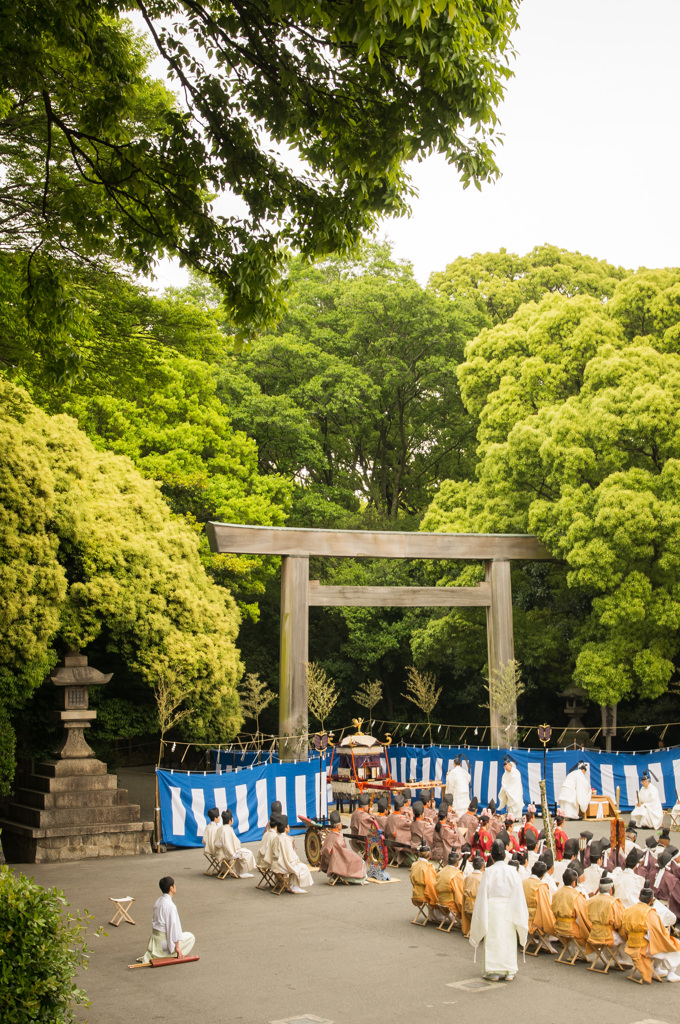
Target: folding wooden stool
x: 227, y: 868
x: 122, y: 905
x: 267, y: 879
x: 639, y: 980
x: 607, y: 956
x: 449, y: 922
x: 571, y: 959
x: 334, y: 879
x: 281, y: 884
x: 538, y: 941
x: 424, y: 910
x: 213, y: 864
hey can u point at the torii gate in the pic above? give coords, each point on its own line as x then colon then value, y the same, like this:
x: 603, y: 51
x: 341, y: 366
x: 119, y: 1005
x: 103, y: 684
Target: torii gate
x: 298, y: 593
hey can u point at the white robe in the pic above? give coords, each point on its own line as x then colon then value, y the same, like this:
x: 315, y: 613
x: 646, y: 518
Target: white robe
x: 591, y: 883
x: 264, y: 853
x: 500, y: 918
x: 167, y: 934
x: 285, y: 861
x: 209, y: 836
x: 229, y: 847
x: 458, y: 781
x: 574, y: 794
x: 511, y: 793
x: 650, y: 812
x: 627, y: 886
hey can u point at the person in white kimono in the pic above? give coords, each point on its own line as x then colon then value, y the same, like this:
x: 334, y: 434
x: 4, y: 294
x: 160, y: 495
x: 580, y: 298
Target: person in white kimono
x: 285, y: 860
x: 648, y: 812
x: 263, y: 858
x: 210, y: 831
x: 458, y: 781
x: 228, y: 847
x: 574, y: 795
x: 628, y: 883
x: 167, y: 938
x: 500, y: 917
x: 511, y: 794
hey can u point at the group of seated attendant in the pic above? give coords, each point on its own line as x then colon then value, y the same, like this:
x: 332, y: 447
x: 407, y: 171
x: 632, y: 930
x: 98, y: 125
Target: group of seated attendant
x: 221, y: 842
x: 585, y: 901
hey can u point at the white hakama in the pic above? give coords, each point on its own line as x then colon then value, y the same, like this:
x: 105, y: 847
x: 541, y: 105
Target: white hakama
x: 458, y: 781
x: 649, y: 812
x: 574, y: 795
x: 511, y: 794
x: 500, y: 918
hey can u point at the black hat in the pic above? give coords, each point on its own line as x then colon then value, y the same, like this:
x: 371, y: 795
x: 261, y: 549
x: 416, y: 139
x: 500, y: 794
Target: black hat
x: 283, y: 819
x: 570, y: 848
x: 530, y: 841
x: 423, y: 849
x: 448, y: 798
x: 665, y: 833
x: 454, y: 857
x: 474, y: 804
x: 651, y: 842
x: 509, y: 760
x: 547, y: 858
x: 398, y: 801
x: 504, y: 837
x: 582, y: 764
x: 484, y: 818
x: 595, y: 852
x: 541, y: 834
x: 606, y: 882
x: 406, y: 793
x: 335, y: 819
x: 382, y: 804
x: 665, y: 857
x: 492, y: 805
x: 424, y: 796
x: 417, y: 808
x: 586, y: 835
x: 605, y: 844
x: 631, y: 827
x: 442, y: 812
x: 276, y: 807
x: 633, y: 857
x: 456, y: 759
x: 646, y: 895
x: 364, y: 799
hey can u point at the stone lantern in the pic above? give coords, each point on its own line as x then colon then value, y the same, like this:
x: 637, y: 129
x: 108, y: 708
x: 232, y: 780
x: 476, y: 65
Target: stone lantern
x: 76, y: 677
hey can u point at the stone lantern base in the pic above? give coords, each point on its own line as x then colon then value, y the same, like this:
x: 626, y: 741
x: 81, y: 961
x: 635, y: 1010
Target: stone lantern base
x: 71, y: 809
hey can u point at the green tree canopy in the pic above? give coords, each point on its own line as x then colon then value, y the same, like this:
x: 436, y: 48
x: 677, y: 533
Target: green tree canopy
x: 500, y: 282
x: 580, y: 446
x: 93, y: 552
x: 303, y: 115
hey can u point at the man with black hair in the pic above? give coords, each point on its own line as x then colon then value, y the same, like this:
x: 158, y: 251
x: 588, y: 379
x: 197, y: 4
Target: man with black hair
x: 537, y: 895
x: 285, y: 860
x: 648, y: 940
x: 167, y: 938
x: 569, y: 906
x: 605, y: 912
x: 500, y: 917
x: 210, y: 831
x: 228, y: 847
x: 424, y: 877
x: 450, y: 882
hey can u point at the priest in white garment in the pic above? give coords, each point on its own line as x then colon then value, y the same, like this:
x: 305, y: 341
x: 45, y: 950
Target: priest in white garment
x: 628, y: 883
x: 458, y: 781
x: 648, y: 812
x: 574, y: 795
x: 500, y: 916
x: 285, y: 860
x: 167, y: 938
x: 210, y: 831
x: 511, y: 794
x: 228, y: 847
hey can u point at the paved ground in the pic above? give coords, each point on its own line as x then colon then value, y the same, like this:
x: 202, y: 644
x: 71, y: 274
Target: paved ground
x: 338, y: 954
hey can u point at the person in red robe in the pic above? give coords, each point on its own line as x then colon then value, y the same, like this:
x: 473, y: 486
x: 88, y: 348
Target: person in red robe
x: 482, y: 840
x: 561, y: 836
x: 336, y: 856
x: 529, y: 828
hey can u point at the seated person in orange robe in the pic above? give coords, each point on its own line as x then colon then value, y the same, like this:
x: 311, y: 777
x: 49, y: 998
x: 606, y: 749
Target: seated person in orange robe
x: 424, y: 877
x: 450, y: 882
x: 570, y: 911
x: 648, y: 942
x: 470, y: 887
x: 537, y: 895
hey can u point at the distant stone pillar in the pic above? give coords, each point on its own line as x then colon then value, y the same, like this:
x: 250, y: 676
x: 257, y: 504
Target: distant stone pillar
x: 294, y: 655
x: 76, y: 676
x: 500, y: 644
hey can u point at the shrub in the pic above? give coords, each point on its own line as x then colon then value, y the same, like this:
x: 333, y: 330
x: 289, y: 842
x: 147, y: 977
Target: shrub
x: 41, y: 949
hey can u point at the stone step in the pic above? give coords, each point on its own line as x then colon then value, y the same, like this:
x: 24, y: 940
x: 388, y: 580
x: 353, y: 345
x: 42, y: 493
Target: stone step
x: 67, y: 798
x: 54, y: 816
x: 71, y: 766
x: 68, y: 783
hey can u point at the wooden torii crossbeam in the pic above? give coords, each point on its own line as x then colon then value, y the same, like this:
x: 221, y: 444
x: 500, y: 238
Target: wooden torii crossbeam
x: 298, y: 593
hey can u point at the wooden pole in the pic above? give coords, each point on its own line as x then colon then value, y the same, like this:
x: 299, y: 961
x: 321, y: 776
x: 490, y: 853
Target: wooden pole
x: 500, y: 645
x: 294, y: 655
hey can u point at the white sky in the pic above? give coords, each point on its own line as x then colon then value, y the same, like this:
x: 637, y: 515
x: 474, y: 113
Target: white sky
x: 590, y: 160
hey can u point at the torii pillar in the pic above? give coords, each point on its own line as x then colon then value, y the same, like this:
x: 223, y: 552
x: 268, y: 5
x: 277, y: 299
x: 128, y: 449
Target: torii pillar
x: 294, y: 655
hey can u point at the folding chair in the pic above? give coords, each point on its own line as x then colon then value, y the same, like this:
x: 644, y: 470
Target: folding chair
x: 450, y: 920
x: 607, y: 956
x: 566, y: 956
x: 639, y: 980
x: 213, y: 864
x: 537, y: 941
x: 122, y: 905
x: 227, y: 868
x: 334, y: 879
x: 267, y: 879
x: 281, y: 884
x: 423, y: 910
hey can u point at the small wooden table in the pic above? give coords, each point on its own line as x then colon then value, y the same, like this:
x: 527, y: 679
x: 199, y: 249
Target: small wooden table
x: 601, y: 808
